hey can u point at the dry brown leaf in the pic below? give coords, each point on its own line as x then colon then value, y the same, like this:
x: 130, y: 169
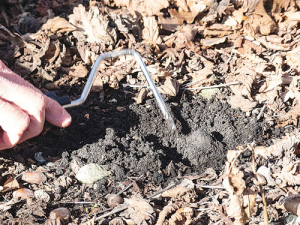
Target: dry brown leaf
x: 78, y: 70
x: 249, y: 203
x: 146, y: 8
x: 10, y: 43
x: 142, y: 95
x: 95, y: 25
x: 246, y: 76
x: 138, y: 210
x: 150, y: 33
x: 238, y: 101
x: 278, y: 148
x: 182, y: 216
x: 293, y: 58
x: 171, y: 207
x: 195, y: 8
x: 213, y: 41
x: 267, y: 97
x: 289, y: 175
x: 10, y: 184
x: 260, y: 21
x: 184, y: 35
x: 235, y: 185
x: 57, y: 25
x: 181, y: 192
x: 170, y: 87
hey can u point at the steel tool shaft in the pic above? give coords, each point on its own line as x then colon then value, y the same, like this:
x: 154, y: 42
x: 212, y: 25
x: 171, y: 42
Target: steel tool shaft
x: 145, y: 71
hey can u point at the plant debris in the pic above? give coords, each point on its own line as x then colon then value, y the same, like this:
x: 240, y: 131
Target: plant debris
x: 229, y: 72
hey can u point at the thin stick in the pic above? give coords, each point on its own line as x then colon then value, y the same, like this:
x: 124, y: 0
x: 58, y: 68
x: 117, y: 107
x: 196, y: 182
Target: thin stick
x: 261, y: 112
x: 260, y: 188
x: 161, y: 191
x: 115, y: 210
x: 77, y: 202
x: 215, y: 86
x: 125, y: 189
x: 212, y: 187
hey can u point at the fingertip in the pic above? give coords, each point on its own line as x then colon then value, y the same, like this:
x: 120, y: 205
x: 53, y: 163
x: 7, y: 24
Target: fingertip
x: 56, y: 114
x: 11, y: 139
x: 67, y: 119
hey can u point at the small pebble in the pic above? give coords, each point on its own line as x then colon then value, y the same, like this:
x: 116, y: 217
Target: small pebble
x: 63, y: 214
x: 34, y: 177
x: 114, y: 200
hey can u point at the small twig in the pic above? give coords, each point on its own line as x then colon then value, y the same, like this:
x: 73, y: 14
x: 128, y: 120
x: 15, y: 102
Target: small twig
x: 261, y: 112
x: 135, y: 86
x: 212, y: 187
x: 115, y: 210
x: 125, y: 189
x: 215, y: 86
x: 260, y: 188
x: 77, y: 202
x: 161, y: 191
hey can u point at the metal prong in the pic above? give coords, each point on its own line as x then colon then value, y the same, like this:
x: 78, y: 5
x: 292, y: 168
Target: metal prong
x: 89, y: 83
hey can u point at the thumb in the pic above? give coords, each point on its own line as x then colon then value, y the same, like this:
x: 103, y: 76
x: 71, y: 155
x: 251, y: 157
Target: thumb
x: 56, y: 114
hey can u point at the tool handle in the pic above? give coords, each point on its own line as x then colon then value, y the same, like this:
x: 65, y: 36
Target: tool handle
x: 62, y: 100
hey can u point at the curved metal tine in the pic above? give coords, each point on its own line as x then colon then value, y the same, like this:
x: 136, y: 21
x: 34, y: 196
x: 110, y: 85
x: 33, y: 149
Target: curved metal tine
x: 138, y: 58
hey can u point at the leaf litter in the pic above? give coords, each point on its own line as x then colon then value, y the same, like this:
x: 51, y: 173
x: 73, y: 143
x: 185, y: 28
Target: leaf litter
x: 186, y: 45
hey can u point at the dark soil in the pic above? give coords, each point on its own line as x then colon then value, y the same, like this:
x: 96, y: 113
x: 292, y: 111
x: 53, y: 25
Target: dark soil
x: 132, y: 140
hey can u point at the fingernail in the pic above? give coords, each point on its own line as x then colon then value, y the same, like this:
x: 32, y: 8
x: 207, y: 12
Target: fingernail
x: 67, y: 119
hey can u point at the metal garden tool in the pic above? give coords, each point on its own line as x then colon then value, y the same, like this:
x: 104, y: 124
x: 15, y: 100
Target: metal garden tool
x: 67, y: 103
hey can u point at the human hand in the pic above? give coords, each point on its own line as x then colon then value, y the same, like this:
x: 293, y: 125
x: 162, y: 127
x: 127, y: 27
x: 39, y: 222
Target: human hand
x: 24, y: 108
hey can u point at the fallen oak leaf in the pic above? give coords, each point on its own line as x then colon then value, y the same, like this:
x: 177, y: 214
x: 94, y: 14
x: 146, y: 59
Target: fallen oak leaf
x: 144, y: 7
x: 142, y: 95
x: 138, y: 210
x: 238, y: 101
x: 10, y: 184
x: 77, y: 70
x: 150, y: 33
x: 95, y: 25
x: 278, y: 147
x: 182, y: 216
x: 170, y: 87
x: 181, y: 192
x: 171, y: 207
x: 57, y: 25
x: 213, y: 41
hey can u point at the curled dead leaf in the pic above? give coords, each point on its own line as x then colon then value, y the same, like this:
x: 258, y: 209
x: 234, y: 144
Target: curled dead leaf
x: 10, y: 184
x: 182, y: 216
x: 138, y: 210
x: 142, y: 95
x: 78, y: 70
x: 57, y: 25
x: 170, y: 87
x: 181, y: 192
x: 95, y: 25
x: 238, y: 101
x: 167, y: 210
x: 150, y: 33
x: 146, y: 8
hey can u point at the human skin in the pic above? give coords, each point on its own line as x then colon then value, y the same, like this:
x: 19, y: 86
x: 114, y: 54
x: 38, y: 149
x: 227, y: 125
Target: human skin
x: 24, y: 109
